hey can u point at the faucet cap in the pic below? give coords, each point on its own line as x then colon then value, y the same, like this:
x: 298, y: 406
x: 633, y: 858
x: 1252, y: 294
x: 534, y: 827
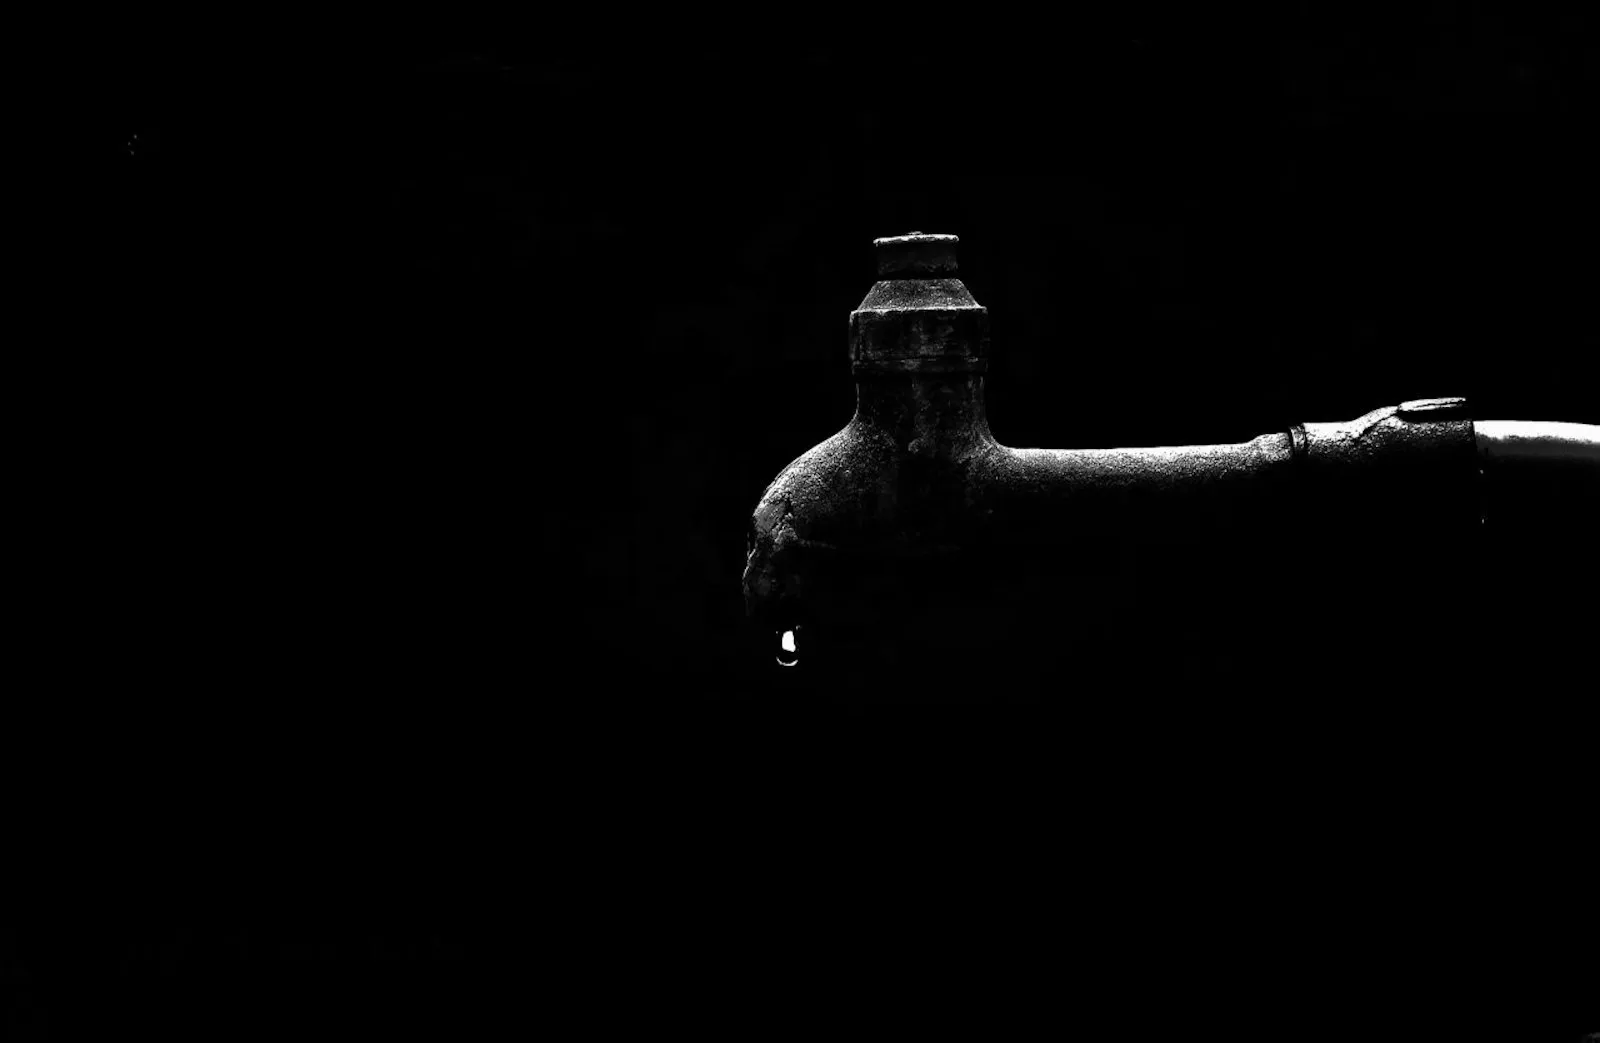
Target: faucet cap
x: 916, y: 256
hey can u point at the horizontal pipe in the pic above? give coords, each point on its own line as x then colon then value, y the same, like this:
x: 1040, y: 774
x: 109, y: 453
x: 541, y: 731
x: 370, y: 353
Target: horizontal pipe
x: 1164, y: 465
x: 928, y: 477
x: 1541, y: 480
x: 1062, y: 495
x: 1538, y: 442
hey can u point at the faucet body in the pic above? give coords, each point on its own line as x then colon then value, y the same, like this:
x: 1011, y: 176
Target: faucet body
x: 896, y: 535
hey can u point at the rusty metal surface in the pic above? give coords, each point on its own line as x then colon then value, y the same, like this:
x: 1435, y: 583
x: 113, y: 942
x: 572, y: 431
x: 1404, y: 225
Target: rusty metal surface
x: 914, y: 497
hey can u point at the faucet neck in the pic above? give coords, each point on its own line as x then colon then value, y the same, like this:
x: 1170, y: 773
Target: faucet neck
x: 925, y: 413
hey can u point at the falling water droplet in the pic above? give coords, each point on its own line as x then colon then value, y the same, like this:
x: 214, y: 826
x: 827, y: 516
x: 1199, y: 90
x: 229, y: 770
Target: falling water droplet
x: 788, y: 654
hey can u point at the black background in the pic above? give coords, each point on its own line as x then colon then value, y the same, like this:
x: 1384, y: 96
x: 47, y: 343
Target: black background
x: 436, y: 372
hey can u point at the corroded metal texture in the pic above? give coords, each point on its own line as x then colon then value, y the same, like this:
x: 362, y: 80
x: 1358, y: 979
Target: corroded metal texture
x: 919, y: 325
x: 914, y: 501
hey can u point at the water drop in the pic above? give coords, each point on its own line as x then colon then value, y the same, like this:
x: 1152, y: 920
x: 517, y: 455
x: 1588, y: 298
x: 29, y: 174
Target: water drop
x: 788, y: 653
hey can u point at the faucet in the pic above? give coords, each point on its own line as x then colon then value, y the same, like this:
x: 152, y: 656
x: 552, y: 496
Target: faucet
x: 887, y: 540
